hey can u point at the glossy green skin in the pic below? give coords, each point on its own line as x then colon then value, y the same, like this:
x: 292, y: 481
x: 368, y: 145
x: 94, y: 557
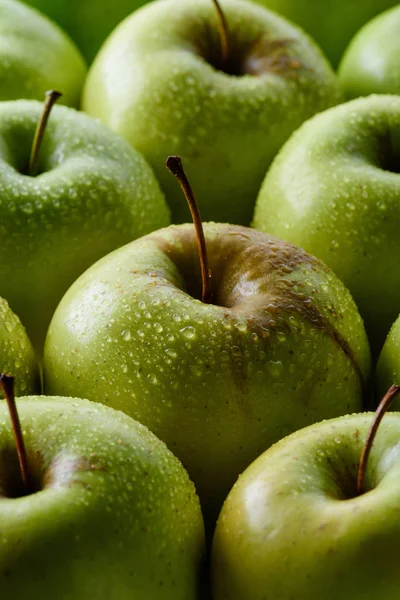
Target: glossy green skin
x: 153, y: 83
x: 333, y: 190
x: 93, y: 193
x: 88, y: 22
x: 293, y: 527
x: 370, y: 64
x: 36, y: 55
x: 221, y: 382
x: 17, y: 357
x: 116, y: 515
x: 388, y: 368
x: 332, y: 24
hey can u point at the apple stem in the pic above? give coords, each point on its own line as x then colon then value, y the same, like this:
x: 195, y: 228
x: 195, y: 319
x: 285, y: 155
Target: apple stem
x: 379, y: 414
x: 51, y: 98
x: 174, y: 165
x: 223, y: 33
x: 7, y: 385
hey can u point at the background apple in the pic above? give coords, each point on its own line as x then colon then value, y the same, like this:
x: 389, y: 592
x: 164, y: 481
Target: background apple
x: 16, y: 353
x: 334, y: 189
x: 281, y: 346
x: 88, y: 22
x: 332, y: 24
x: 293, y: 525
x: 157, y: 81
x: 111, y: 513
x: 92, y: 193
x: 370, y: 63
x: 388, y: 368
x: 36, y: 55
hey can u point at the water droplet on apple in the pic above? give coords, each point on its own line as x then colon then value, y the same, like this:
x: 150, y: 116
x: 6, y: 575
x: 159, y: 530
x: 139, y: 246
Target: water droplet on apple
x: 281, y: 335
x: 188, y: 332
x: 126, y: 335
x: 275, y: 367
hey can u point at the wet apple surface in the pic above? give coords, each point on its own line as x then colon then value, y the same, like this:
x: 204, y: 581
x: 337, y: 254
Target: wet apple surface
x: 281, y: 346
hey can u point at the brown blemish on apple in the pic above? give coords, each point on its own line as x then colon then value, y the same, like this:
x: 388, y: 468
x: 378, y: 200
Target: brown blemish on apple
x: 251, y: 277
x: 63, y: 467
x: 272, y: 56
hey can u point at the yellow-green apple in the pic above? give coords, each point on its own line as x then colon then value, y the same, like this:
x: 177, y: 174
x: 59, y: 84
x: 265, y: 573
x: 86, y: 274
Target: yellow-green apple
x: 159, y: 81
x: 334, y: 189
x: 105, y: 509
x: 297, y: 525
x: 16, y: 353
x: 370, y: 64
x: 36, y: 55
x: 388, y: 367
x: 91, y: 193
x: 281, y: 346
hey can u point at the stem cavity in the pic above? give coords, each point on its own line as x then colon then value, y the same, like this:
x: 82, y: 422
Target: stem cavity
x: 7, y: 385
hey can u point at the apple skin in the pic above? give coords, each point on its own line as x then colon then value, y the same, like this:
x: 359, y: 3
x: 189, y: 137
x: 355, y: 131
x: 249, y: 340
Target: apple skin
x: 332, y: 24
x: 16, y: 353
x: 93, y: 193
x: 36, y: 55
x: 293, y: 526
x: 155, y: 83
x: 370, y: 64
x: 283, y: 346
x: 334, y: 189
x: 88, y: 22
x: 115, y: 515
x: 388, y: 367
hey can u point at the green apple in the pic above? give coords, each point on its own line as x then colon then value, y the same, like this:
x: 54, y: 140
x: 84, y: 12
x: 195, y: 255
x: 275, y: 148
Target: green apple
x: 388, y: 368
x: 334, y: 189
x: 370, y: 64
x: 282, y: 346
x: 109, y: 512
x: 92, y: 193
x: 88, y: 22
x: 157, y: 81
x: 35, y: 55
x: 332, y: 24
x: 294, y: 526
x: 16, y: 352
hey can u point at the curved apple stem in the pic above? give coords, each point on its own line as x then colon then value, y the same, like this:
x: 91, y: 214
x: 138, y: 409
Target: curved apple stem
x: 223, y: 33
x: 51, y: 98
x: 7, y: 385
x: 174, y: 164
x: 379, y: 414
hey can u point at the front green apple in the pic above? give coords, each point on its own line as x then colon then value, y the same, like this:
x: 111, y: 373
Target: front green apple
x: 36, y: 55
x: 332, y: 24
x: 334, y: 189
x: 88, y: 22
x: 294, y: 527
x: 112, y: 513
x: 371, y: 61
x: 158, y: 81
x: 92, y: 193
x: 282, y: 346
x: 16, y: 353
